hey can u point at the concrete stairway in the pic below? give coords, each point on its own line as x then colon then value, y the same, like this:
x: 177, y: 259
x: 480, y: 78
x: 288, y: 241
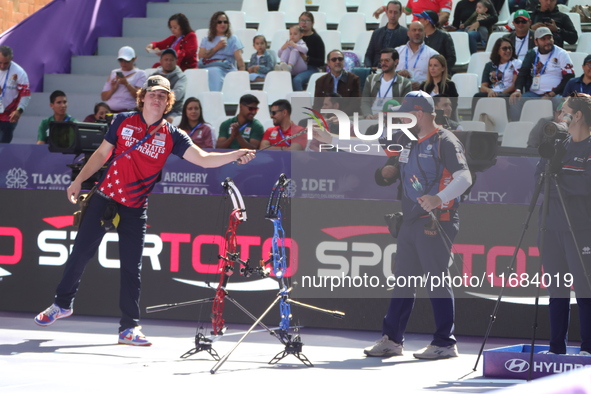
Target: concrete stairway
x: 89, y: 73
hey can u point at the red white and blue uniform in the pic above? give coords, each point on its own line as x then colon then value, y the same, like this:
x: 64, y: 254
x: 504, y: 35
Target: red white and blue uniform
x: 130, y: 179
x: 126, y: 184
x: 559, y: 254
x: 426, y: 167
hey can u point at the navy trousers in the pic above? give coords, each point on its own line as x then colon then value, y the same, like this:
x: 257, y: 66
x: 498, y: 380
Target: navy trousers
x: 419, y: 254
x: 560, y: 258
x: 131, y: 230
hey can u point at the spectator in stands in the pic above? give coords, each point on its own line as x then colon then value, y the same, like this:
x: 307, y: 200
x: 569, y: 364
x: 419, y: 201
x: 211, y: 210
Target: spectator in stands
x: 183, y: 40
x: 580, y: 84
x: 379, y: 88
x: 220, y: 52
x: 466, y: 9
x: 120, y: 90
x: 478, y: 33
x: 283, y: 127
x: 100, y: 113
x: 437, y: 81
x: 391, y: 35
x: 438, y: 39
x: 315, y: 56
x: 544, y: 73
x: 338, y: 80
x: 559, y: 23
x: 262, y: 61
x: 522, y: 34
x: 331, y: 101
x: 177, y: 78
x: 444, y: 103
x: 14, y: 93
x: 414, y: 56
x: 243, y: 130
x: 192, y: 122
x: 500, y: 74
x: 389, y: 106
x: 536, y: 135
x: 290, y: 54
x: 58, y: 102
x: 441, y: 7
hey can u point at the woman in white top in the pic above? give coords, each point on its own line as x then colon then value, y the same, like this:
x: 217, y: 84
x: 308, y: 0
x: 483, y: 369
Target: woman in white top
x: 120, y: 90
x: 221, y: 51
x: 499, y: 75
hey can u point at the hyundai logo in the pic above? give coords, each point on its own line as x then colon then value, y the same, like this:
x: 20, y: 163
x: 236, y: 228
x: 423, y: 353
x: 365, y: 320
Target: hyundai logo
x: 516, y: 365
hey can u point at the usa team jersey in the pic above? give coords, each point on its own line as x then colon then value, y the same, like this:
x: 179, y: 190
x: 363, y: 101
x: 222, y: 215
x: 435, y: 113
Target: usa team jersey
x: 426, y: 167
x: 130, y: 179
x: 275, y: 134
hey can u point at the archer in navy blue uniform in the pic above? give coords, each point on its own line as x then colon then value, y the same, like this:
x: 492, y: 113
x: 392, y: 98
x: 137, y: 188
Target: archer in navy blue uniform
x: 559, y: 254
x: 433, y: 174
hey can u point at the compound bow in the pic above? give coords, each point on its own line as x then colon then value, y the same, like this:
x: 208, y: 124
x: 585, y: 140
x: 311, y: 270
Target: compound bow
x: 226, y: 267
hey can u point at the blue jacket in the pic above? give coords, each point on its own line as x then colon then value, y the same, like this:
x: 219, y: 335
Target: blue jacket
x: 267, y: 62
x: 576, y: 85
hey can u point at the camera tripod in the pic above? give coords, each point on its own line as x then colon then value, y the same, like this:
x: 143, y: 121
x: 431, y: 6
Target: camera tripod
x: 544, y: 182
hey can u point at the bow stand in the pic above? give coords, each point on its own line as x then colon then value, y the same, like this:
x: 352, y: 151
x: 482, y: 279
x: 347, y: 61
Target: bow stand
x: 293, y: 343
x: 226, y: 267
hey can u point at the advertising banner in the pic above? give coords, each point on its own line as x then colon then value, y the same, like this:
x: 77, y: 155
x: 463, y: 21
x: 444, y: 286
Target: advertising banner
x: 325, y: 239
x: 334, y: 175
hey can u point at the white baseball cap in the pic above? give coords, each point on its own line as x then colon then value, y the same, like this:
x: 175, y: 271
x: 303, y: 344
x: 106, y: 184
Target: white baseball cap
x: 126, y: 53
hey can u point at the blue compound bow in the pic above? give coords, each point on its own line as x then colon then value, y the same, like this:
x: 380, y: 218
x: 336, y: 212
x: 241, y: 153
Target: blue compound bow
x: 278, y: 256
x: 292, y: 342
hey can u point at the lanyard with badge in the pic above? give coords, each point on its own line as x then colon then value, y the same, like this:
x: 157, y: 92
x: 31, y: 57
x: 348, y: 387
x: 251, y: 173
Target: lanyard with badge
x: 389, y: 87
x: 243, y: 128
x: 380, y: 100
x: 525, y: 39
x: 501, y: 83
x: 4, y: 89
x: 177, y: 41
x: 536, y: 81
x: 416, y: 60
x: 194, y: 129
x: 283, y: 136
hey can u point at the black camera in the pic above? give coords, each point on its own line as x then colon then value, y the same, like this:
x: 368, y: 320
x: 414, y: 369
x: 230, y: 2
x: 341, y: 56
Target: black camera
x: 441, y: 119
x: 554, y: 134
x: 76, y: 137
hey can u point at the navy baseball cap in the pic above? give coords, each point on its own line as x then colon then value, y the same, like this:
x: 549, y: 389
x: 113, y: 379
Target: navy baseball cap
x: 417, y: 101
x: 168, y: 50
x: 430, y: 15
